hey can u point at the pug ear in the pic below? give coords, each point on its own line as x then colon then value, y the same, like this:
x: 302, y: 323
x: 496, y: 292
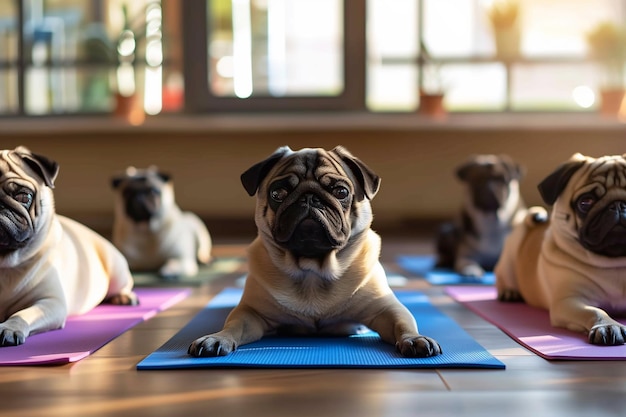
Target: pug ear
x: 463, y: 170
x: 252, y: 178
x: 516, y: 171
x: 46, y: 168
x: 552, y: 186
x: 116, y: 181
x: 368, y: 180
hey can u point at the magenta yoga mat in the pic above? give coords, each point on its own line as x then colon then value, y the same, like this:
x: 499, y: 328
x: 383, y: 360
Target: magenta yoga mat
x: 84, y: 334
x: 531, y: 327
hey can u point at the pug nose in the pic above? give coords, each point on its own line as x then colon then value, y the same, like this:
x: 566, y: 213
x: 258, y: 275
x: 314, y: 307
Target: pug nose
x: 619, y: 207
x: 310, y: 200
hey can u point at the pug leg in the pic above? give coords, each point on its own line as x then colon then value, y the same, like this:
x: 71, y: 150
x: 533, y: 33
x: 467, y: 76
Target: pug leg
x: 469, y: 268
x: 179, y: 267
x: 242, y: 326
x: 575, y: 315
x: 48, y: 314
x: 396, y: 326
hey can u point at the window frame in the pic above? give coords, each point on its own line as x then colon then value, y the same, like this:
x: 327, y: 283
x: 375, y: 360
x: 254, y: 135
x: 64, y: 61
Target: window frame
x: 198, y: 95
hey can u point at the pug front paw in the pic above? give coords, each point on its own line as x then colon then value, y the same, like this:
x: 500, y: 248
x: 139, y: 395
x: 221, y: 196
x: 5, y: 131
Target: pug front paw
x: 13, y: 332
x: 607, y: 334
x: 211, y: 346
x: 418, y: 347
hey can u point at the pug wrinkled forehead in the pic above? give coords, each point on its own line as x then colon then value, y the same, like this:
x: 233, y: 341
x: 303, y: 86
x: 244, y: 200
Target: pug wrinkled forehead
x: 313, y: 163
x: 15, y: 162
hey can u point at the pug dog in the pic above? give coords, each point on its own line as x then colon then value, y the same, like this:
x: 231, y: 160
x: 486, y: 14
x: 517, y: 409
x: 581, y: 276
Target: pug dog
x: 572, y: 262
x: 492, y: 205
x: 50, y: 266
x: 151, y: 230
x: 314, y: 266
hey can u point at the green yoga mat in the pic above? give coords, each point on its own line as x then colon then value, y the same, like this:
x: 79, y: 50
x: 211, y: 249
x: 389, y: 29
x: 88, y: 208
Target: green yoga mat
x: 218, y: 267
x: 362, y: 351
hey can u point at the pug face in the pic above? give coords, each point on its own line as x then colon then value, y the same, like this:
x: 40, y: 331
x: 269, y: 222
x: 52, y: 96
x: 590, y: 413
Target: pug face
x: 26, y: 203
x: 489, y: 179
x: 311, y: 202
x: 589, y: 196
x: 144, y: 193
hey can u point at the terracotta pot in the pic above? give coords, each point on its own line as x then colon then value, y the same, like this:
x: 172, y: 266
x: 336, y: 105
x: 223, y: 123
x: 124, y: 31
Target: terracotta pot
x: 611, y: 101
x: 129, y: 109
x: 432, y: 105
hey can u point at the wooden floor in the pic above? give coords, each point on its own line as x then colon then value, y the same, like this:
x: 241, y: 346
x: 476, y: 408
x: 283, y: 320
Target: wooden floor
x: 107, y: 384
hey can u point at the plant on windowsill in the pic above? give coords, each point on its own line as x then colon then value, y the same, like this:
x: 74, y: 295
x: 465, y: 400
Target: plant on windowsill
x: 431, y: 92
x: 504, y: 18
x: 607, y: 45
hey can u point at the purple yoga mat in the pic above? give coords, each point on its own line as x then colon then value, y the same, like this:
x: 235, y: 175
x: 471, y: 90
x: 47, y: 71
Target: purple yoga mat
x: 531, y: 327
x: 84, y: 334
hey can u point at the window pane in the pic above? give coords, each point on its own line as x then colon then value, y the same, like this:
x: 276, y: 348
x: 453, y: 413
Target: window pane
x: 456, y: 28
x: 559, y: 27
x: 474, y: 87
x: 80, y: 53
x: 275, y: 47
x: 553, y: 86
x: 392, y: 87
x: 392, y: 50
x: 8, y: 58
x: 8, y: 91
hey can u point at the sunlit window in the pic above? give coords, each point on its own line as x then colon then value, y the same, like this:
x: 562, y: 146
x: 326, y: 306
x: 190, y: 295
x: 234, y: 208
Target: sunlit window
x: 275, y: 47
x: 146, y: 57
x: 533, y: 55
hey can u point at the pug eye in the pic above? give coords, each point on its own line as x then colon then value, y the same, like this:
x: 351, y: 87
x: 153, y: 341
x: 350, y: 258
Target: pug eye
x: 279, y: 194
x: 24, y: 197
x: 585, y: 203
x: 340, y: 193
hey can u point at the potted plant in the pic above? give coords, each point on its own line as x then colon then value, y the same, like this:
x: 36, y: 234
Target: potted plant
x: 431, y: 91
x: 607, y: 46
x: 504, y: 18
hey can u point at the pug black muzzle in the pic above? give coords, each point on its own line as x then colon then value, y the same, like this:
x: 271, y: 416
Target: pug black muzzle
x: 603, y: 230
x: 142, y: 200
x: 309, y: 220
x: 16, y: 227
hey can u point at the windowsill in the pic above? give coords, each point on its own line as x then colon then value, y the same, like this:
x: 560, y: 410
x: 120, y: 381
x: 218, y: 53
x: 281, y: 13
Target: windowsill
x: 285, y: 122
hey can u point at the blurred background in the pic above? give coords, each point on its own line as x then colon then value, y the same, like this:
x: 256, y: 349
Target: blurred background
x: 206, y: 88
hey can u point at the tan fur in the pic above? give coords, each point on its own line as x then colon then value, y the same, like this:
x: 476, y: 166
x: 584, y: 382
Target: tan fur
x: 547, y: 265
x: 343, y: 289
x: 64, y: 269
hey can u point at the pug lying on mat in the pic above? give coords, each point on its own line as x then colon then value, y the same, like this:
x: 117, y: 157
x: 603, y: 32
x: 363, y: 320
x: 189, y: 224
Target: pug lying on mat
x: 152, y: 231
x: 573, y: 264
x: 492, y: 204
x: 50, y: 266
x: 314, y: 267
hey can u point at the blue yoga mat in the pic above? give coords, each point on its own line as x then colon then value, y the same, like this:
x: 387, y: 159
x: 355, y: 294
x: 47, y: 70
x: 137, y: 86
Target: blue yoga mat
x: 424, y: 266
x: 362, y: 351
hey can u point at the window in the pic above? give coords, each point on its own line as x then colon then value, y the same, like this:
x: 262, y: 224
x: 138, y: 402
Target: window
x: 274, y: 55
x: 149, y: 57
x: 81, y: 56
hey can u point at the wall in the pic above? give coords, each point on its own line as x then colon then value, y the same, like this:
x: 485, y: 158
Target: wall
x: 206, y: 157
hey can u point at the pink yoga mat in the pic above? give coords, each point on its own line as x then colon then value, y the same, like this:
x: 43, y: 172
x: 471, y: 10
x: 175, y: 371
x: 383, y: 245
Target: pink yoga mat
x: 531, y: 327
x: 83, y: 335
